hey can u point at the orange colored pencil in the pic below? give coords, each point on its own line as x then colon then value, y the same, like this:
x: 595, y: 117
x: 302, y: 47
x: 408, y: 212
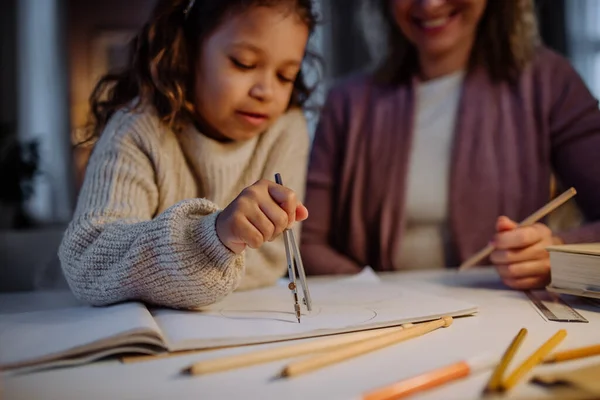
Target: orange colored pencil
x: 432, y: 379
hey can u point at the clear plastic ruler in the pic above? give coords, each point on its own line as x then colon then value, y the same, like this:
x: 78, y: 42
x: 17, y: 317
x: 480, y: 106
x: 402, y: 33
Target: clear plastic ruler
x: 551, y: 306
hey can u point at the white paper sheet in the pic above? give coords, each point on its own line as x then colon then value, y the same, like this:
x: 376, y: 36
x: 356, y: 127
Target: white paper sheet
x: 50, y: 334
x: 349, y: 304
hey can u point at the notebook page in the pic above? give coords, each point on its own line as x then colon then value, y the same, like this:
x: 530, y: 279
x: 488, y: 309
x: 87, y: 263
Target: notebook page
x: 42, y: 336
x: 266, y: 315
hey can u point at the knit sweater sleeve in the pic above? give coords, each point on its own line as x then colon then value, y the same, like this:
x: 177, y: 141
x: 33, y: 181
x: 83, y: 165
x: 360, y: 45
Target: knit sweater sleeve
x: 118, y: 248
x: 288, y: 156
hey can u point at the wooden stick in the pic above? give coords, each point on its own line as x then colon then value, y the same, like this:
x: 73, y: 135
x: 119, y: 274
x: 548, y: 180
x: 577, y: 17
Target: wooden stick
x: 573, y: 354
x: 279, y: 353
x: 533, y: 360
x: 532, y: 219
x: 477, y: 257
x: 496, y: 379
x: 362, y: 347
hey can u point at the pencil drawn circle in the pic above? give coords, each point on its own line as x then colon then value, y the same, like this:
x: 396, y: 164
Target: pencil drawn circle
x: 355, y: 296
x: 322, y: 316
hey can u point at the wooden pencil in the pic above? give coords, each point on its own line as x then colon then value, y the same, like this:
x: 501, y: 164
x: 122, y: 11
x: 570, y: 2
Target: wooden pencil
x: 533, y: 360
x: 530, y: 220
x: 356, y: 349
x: 280, y: 353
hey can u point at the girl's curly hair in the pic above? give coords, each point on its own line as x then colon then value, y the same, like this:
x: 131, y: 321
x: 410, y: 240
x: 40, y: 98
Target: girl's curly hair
x: 161, y: 56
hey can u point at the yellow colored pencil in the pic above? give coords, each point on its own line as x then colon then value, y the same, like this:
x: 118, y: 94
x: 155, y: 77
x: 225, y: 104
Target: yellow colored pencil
x: 495, y: 382
x: 534, y: 359
x: 573, y: 354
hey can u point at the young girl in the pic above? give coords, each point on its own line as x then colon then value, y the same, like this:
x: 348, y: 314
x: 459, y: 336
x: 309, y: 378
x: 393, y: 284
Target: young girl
x: 178, y: 207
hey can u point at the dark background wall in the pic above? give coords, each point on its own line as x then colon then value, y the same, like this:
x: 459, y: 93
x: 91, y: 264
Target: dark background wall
x: 344, y: 49
x: 8, y: 86
x: 347, y: 49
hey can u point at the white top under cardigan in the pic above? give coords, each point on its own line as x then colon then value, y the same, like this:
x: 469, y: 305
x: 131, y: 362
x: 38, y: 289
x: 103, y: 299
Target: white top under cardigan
x: 425, y: 237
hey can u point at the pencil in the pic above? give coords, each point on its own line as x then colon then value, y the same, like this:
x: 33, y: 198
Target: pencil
x: 356, y: 349
x: 496, y: 378
x: 532, y: 219
x: 573, y: 354
x: 279, y: 353
x: 533, y: 360
x: 432, y: 379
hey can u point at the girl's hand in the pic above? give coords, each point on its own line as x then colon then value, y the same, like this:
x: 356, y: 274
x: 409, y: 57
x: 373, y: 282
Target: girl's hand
x: 520, y: 257
x: 259, y: 214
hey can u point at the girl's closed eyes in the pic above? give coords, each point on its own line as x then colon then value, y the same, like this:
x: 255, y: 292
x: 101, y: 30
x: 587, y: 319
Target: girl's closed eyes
x: 285, y: 77
x: 241, y: 64
x: 249, y: 63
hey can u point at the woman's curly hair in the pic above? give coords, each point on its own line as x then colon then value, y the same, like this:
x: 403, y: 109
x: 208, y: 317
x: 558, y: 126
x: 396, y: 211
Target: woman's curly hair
x: 507, y: 37
x: 161, y: 58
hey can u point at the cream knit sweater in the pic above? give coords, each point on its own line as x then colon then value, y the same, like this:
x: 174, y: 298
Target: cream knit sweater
x: 144, y: 226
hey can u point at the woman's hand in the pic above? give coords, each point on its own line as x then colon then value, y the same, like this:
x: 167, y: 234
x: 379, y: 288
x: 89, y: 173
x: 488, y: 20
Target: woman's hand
x: 521, y: 257
x: 259, y: 214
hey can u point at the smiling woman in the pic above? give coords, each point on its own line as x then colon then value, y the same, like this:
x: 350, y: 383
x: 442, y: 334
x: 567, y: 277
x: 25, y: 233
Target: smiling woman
x: 178, y: 207
x: 443, y: 31
x: 502, y: 35
x: 454, y: 137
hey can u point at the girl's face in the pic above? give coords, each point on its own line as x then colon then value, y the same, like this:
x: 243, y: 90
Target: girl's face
x: 439, y: 28
x: 245, y: 71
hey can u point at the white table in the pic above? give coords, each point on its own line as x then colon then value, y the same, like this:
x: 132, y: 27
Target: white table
x: 502, y: 313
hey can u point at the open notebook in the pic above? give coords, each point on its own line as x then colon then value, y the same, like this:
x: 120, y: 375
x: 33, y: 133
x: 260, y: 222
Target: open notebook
x: 78, y: 335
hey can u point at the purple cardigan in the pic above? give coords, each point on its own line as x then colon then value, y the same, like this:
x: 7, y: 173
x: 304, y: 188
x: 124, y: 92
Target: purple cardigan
x: 509, y: 140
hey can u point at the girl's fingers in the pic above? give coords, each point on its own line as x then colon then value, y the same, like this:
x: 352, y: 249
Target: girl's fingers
x: 262, y: 223
x: 301, y: 212
x: 287, y: 200
x: 249, y: 233
x: 277, y: 217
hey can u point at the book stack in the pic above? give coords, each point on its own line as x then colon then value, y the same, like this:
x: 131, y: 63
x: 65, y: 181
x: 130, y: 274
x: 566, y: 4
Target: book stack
x: 575, y: 269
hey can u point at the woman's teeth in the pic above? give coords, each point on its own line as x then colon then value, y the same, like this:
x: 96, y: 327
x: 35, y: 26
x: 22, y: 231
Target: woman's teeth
x: 435, y: 23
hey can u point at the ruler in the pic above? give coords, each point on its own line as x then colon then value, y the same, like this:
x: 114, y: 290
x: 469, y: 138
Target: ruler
x: 551, y: 306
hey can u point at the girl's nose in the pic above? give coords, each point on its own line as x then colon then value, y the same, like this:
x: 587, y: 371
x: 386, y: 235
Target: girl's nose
x: 262, y: 89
